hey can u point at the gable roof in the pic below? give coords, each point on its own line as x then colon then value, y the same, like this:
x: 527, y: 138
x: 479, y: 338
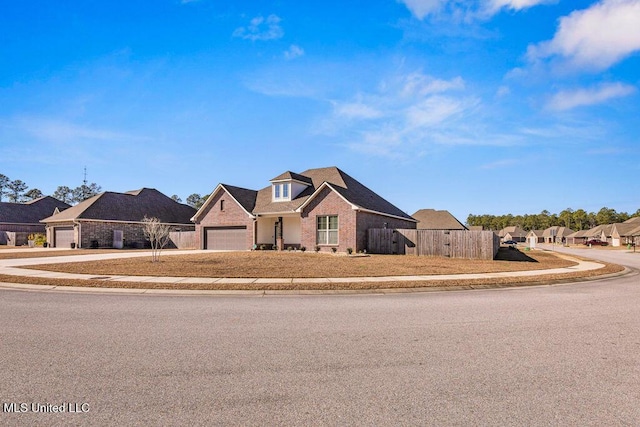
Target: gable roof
x: 31, y: 212
x: 344, y: 185
x: 513, y: 231
x: 131, y: 206
x: 623, y: 230
x: 559, y: 231
x: 535, y: 233
x: 288, y: 175
x: 431, y: 219
x: 243, y: 196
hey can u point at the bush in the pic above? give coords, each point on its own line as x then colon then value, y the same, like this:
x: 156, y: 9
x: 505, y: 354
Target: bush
x: 317, y: 249
x: 303, y: 248
x: 289, y: 248
x: 334, y: 250
x: 263, y: 247
x: 349, y: 251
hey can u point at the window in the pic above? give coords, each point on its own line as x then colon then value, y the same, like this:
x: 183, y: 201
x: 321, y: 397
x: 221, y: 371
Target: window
x: 222, y: 204
x: 282, y: 191
x: 327, y: 230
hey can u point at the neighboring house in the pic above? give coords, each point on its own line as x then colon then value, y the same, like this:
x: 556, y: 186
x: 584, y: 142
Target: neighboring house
x: 21, y: 219
x: 578, y: 237
x: 535, y: 236
x: 431, y: 219
x: 514, y: 233
x: 623, y: 234
x: 322, y: 207
x: 114, y: 220
x: 556, y: 234
x: 476, y: 228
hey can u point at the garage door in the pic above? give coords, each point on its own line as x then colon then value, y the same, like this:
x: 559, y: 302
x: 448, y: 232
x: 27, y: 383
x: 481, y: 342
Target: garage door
x: 63, y: 237
x: 226, y: 238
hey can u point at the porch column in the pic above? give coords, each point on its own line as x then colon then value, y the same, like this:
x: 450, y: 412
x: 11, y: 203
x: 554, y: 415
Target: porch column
x: 279, y: 237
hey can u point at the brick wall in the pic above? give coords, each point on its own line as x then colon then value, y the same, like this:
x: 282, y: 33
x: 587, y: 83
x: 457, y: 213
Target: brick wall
x: 23, y: 229
x: 133, y: 234
x: 329, y: 203
x: 231, y: 215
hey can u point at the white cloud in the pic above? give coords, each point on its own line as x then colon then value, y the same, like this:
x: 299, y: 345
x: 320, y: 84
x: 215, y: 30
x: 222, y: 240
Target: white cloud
x: 260, y: 28
x: 293, y: 52
x: 566, y: 100
x: 595, y: 38
x: 421, y: 8
x: 467, y: 9
x: 407, y: 116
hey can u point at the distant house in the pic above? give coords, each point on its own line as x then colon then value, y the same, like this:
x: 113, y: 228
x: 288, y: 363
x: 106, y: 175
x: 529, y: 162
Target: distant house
x: 556, y: 234
x: 324, y: 208
x: 577, y: 238
x: 624, y: 233
x: 514, y: 233
x: 535, y: 236
x: 114, y: 220
x: 431, y: 219
x: 18, y: 220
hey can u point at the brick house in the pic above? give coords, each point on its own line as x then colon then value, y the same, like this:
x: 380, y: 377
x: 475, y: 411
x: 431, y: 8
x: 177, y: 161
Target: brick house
x: 114, y: 220
x: 18, y: 220
x: 322, y: 207
x: 432, y: 219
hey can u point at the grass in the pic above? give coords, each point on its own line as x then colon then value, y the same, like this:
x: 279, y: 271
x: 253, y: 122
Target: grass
x: 306, y: 265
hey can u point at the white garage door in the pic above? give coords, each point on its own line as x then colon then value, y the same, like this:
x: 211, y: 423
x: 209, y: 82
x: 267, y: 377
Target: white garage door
x: 226, y: 238
x: 63, y: 237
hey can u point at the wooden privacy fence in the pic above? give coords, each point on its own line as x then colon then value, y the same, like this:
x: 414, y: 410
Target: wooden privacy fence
x: 183, y: 239
x: 454, y: 244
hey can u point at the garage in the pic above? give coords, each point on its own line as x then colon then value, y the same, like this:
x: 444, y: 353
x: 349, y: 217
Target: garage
x: 226, y: 238
x: 63, y: 237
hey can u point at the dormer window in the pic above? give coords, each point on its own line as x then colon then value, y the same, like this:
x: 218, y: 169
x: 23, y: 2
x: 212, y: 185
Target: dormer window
x: 282, y: 191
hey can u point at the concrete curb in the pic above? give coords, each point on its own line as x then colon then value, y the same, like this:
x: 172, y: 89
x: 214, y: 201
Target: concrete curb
x: 310, y: 292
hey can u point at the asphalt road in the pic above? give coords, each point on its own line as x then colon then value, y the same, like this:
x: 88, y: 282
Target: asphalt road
x: 550, y: 355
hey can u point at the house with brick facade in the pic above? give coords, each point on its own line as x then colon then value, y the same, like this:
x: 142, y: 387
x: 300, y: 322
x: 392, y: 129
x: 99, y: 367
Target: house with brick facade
x: 322, y: 207
x: 114, y: 220
x: 18, y: 220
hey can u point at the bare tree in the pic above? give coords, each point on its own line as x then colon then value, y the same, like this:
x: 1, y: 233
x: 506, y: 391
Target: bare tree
x: 158, y: 235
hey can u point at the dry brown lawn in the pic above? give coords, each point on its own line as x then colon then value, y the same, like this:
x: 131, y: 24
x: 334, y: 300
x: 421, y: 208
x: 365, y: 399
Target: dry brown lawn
x: 269, y: 264
x: 13, y: 254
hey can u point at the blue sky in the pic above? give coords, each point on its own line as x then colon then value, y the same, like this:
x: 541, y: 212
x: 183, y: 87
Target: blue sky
x: 495, y: 106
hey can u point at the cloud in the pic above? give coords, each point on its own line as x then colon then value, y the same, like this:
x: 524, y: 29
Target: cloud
x: 467, y: 10
x: 500, y: 164
x: 566, y: 100
x: 293, y: 52
x: 406, y: 116
x: 595, y: 38
x: 260, y: 28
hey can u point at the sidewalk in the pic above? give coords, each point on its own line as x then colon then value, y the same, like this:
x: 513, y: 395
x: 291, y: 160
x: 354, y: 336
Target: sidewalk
x: 12, y: 267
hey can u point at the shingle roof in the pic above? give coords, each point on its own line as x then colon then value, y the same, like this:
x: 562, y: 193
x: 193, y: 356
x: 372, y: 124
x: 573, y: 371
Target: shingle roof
x: 536, y: 233
x: 292, y: 175
x: 624, y: 229
x: 132, y: 206
x: 431, y: 219
x: 348, y: 187
x: 31, y: 212
x: 633, y: 220
x: 513, y: 230
x: 244, y: 196
x: 559, y: 231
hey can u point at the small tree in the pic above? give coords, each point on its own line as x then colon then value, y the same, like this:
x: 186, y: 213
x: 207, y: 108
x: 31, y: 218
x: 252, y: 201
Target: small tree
x: 16, y: 190
x: 33, y: 194
x: 158, y: 235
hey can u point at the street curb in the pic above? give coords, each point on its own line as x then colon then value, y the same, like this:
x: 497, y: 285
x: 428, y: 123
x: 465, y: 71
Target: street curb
x: 305, y: 292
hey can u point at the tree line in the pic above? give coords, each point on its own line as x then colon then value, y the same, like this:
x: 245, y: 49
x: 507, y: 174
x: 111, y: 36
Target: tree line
x: 17, y: 191
x: 576, y: 220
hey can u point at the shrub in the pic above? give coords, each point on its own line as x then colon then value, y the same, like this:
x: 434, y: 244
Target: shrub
x: 334, y: 250
x: 317, y: 249
x: 349, y: 251
x: 263, y: 247
x: 303, y: 248
x: 289, y: 248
